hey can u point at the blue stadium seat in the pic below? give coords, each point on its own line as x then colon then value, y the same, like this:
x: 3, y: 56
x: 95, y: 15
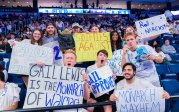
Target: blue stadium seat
x: 175, y: 56
x: 172, y: 87
x: 164, y: 72
x: 174, y: 68
x: 3, y: 63
x: 22, y: 95
x: 14, y: 78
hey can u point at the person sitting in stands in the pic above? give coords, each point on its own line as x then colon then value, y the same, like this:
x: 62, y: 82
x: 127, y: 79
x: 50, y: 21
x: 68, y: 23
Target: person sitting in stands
x: 9, y: 94
x: 167, y: 48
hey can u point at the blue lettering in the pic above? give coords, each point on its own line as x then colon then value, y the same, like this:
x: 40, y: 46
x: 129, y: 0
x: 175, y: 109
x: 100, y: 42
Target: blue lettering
x: 58, y: 100
x: 143, y: 24
x: 57, y: 52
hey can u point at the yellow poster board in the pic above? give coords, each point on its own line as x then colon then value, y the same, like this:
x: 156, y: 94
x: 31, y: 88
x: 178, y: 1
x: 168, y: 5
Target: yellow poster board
x: 88, y: 44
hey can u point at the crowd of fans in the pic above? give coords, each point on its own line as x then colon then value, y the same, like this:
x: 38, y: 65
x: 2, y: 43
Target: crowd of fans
x: 43, y: 29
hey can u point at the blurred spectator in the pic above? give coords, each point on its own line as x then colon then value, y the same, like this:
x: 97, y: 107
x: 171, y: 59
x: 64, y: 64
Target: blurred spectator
x: 75, y: 28
x: 9, y: 96
x: 4, y: 71
x: 167, y: 48
x: 94, y: 29
x: 154, y: 44
x: 59, y: 24
x: 5, y: 46
x: 165, y: 57
x: 12, y: 38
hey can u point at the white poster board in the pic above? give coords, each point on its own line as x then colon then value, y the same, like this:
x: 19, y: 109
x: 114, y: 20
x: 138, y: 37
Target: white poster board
x: 23, y: 54
x: 115, y: 62
x: 50, y: 86
x: 140, y: 100
x: 101, y: 81
x: 58, y: 57
x: 152, y: 26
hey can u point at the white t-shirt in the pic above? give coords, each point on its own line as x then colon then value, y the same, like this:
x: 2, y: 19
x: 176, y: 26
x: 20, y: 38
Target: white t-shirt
x: 115, y: 62
x: 9, y: 94
x: 5, y: 75
x: 138, y: 83
x: 11, y: 40
x: 145, y: 69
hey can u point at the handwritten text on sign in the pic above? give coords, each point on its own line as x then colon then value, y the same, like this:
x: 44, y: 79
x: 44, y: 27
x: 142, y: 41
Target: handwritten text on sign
x: 23, y: 54
x: 54, y: 86
x: 140, y: 100
x: 115, y: 62
x: 101, y: 81
x: 58, y: 58
x: 152, y: 26
x: 88, y: 44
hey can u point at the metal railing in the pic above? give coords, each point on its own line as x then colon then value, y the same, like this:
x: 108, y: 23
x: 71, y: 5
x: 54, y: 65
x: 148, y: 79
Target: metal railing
x: 99, y: 104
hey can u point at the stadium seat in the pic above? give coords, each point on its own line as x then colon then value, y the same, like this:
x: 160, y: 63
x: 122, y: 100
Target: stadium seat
x: 174, y: 68
x: 172, y: 87
x: 175, y: 56
x: 164, y: 72
x: 22, y: 95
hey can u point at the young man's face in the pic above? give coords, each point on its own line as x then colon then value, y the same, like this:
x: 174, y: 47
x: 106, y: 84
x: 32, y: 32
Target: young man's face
x: 75, y: 29
x: 69, y: 60
x: 128, y: 72
x: 50, y: 29
x: 131, y: 41
x: 101, y: 59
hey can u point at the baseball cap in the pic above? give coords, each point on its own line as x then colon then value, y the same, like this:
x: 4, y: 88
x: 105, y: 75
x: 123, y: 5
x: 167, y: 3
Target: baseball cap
x: 75, y: 24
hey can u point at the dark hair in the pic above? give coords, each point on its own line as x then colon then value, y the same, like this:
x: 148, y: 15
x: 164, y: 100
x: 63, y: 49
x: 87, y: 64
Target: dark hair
x: 93, y: 26
x: 55, y: 32
x: 1, y: 67
x: 103, y: 51
x: 129, y: 64
x: 118, y: 42
x: 2, y: 76
x: 40, y: 40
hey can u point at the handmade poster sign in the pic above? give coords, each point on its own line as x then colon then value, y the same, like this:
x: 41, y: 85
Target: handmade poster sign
x: 152, y: 26
x: 23, y: 54
x: 101, y: 81
x: 140, y: 100
x: 54, y: 86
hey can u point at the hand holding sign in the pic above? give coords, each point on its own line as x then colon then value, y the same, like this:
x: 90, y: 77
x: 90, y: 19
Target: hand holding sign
x: 101, y: 81
x: 137, y: 100
x: 54, y: 86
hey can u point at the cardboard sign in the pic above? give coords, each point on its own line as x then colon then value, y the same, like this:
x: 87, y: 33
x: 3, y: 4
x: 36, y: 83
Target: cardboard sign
x: 58, y: 57
x: 101, y: 81
x: 152, y: 26
x: 54, y: 86
x: 88, y: 44
x: 23, y: 54
x: 140, y: 100
x: 115, y: 62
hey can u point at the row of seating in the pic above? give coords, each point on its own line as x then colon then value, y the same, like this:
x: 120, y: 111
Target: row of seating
x: 169, y: 76
x: 168, y: 71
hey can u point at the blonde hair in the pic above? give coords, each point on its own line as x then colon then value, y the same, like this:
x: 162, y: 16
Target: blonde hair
x: 130, y: 34
x: 130, y: 28
x: 70, y: 51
